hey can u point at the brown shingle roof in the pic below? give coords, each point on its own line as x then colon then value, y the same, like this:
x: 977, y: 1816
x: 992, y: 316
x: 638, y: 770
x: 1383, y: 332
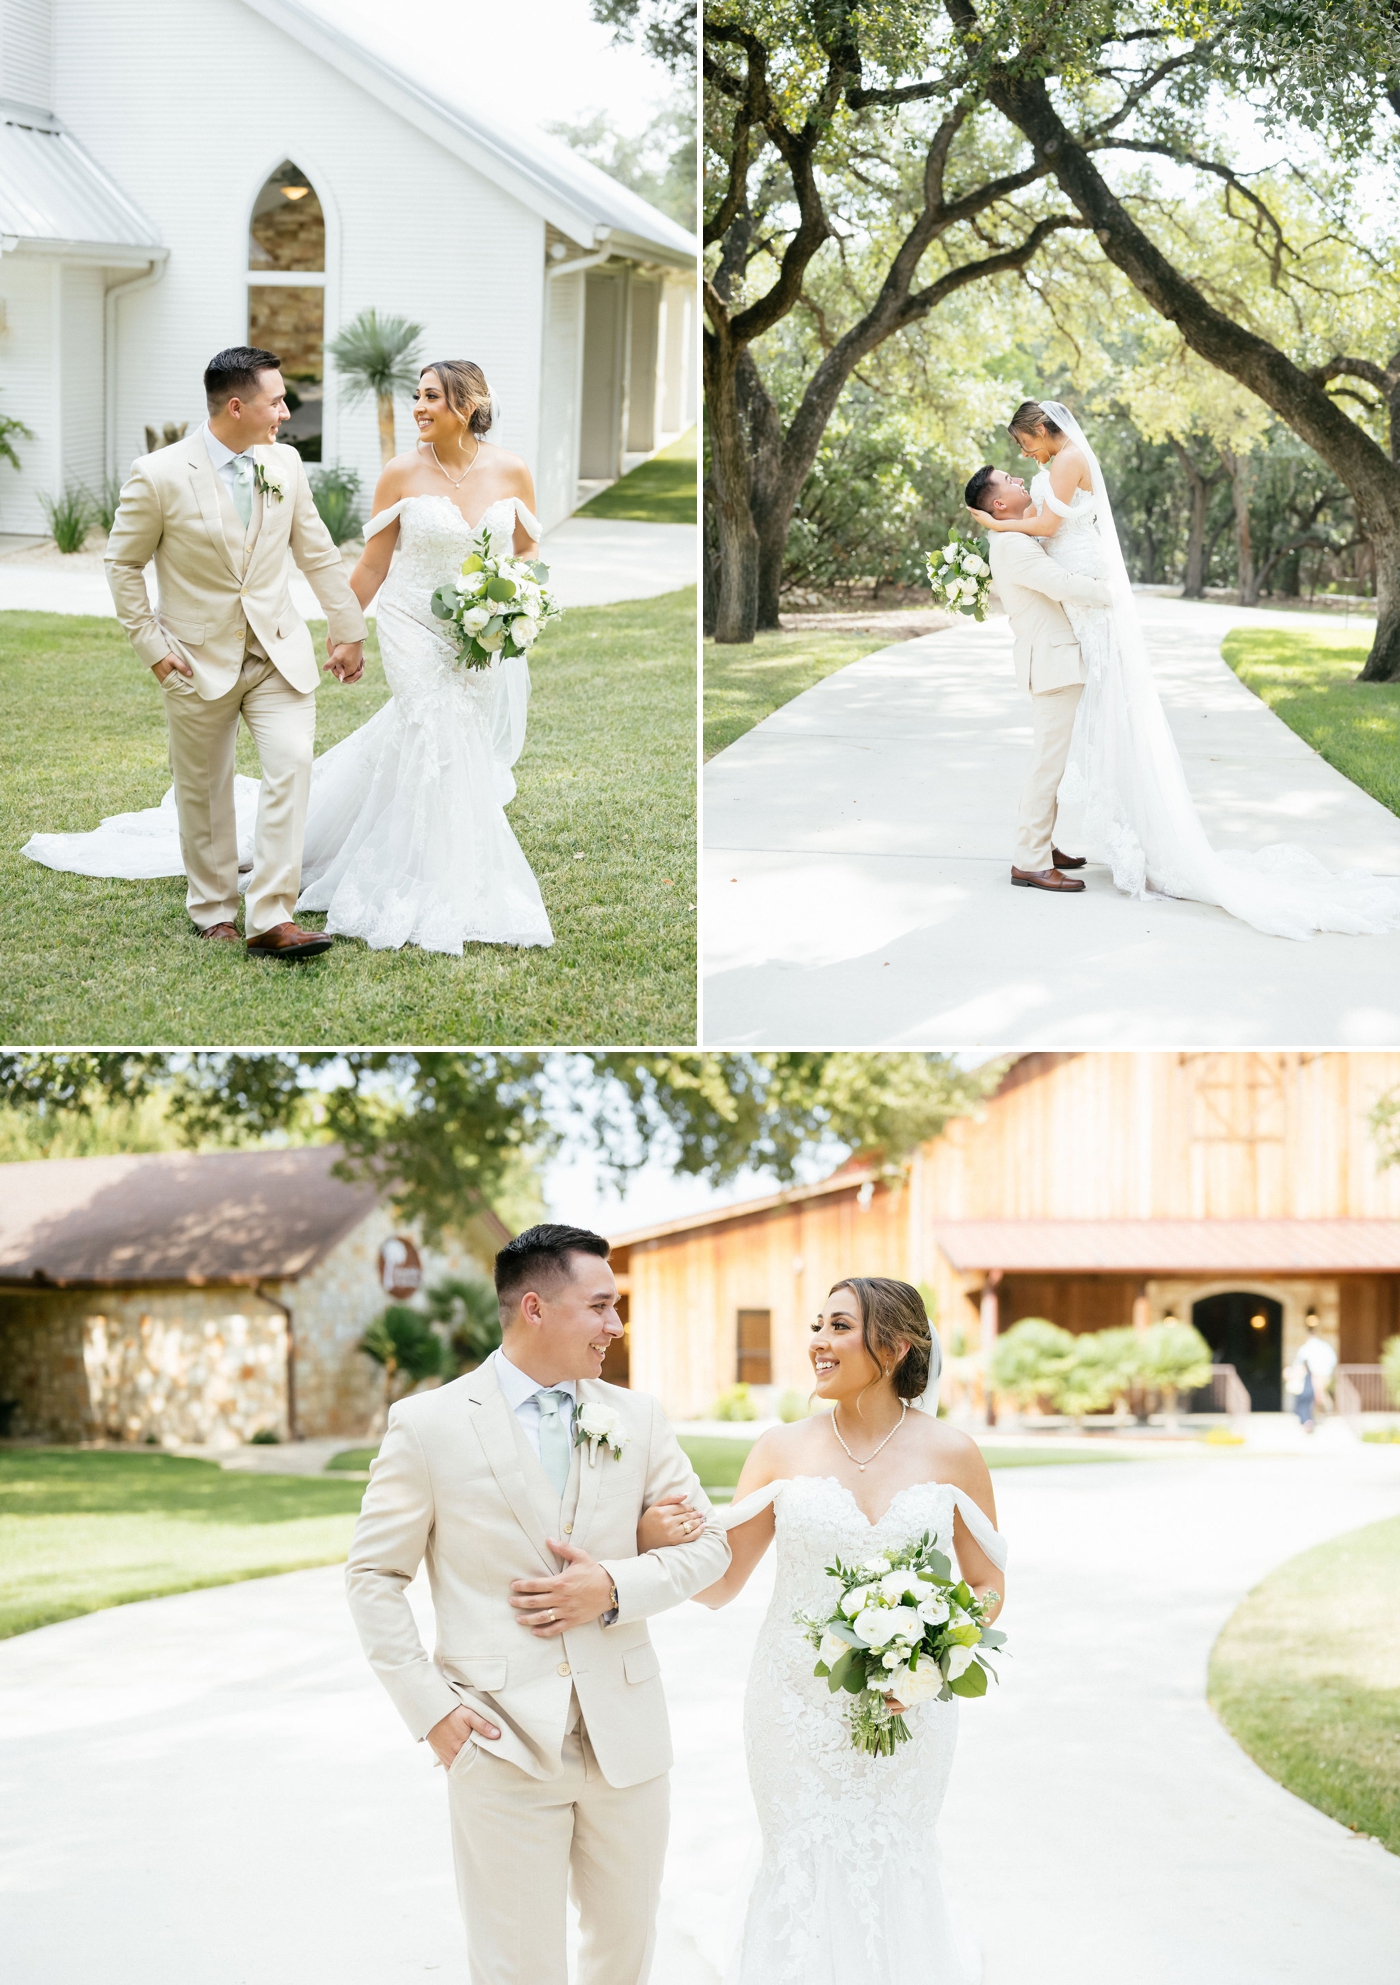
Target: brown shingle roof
x: 1226, y: 1247
x: 180, y: 1216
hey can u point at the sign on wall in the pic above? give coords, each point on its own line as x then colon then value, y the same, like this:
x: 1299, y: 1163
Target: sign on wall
x: 400, y: 1267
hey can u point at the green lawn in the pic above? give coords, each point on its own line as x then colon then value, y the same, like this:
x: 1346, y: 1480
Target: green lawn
x: 1306, y: 1677
x: 605, y: 814
x: 353, y: 1458
x: 83, y: 1529
x: 1308, y: 677
x: 744, y: 683
x: 660, y: 491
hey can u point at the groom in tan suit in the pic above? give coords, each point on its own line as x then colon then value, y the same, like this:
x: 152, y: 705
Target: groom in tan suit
x: 1049, y: 667
x: 219, y: 512
x: 521, y: 1486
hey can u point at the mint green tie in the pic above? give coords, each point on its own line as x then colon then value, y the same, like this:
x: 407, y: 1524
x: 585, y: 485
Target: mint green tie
x: 555, y: 1445
x: 243, y: 487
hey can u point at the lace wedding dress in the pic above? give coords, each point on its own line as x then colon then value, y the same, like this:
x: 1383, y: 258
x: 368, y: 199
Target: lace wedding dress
x: 407, y: 841
x: 849, y: 1886
x: 1124, y: 799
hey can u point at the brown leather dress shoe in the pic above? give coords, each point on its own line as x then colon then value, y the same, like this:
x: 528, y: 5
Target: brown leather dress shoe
x: 1044, y: 878
x: 290, y: 943
x: 222, y: 933
x: 1066, y: 861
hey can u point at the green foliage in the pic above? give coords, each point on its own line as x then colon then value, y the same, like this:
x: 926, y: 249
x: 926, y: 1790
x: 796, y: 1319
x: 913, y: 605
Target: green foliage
x: 1029, y: 1358
x: 716, y: 1459
x: 336, y: 494
x: 1174, y: 1358
x: 1390, y: 1367
x: 376, y: 356
x: 104, y: 503
x: 406, y: 1345
x: 793, y: 1406
x: 266, y: 1437
x: 9, y: 428
x: 665, y: 28
x: 656, y: 163
x: 1037, y: 1363
x: 746, y: 682
x: 70, y: 518
x: 468, y: 1315
x: 735, y: 1404
x: 658, y: 491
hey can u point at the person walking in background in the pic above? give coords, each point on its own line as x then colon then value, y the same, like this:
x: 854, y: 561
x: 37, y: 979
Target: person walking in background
x: 1310, y: 1374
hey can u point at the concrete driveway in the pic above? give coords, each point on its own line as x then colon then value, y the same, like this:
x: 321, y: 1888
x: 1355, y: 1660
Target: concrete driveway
x: 212, y: 1789
x: 858, y: 847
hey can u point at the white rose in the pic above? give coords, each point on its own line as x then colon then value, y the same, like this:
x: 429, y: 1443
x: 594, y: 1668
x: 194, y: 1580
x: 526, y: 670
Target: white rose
x: 934, y: 1609
x: 470, y: 584
x: 950, y: 554
x: 875, y: 1625
x: 959, y: 1660
x: 891, y: 1660
x: 474, y: 619
x: 831, y: 1649
x: 896, y: 1584
x: 980, y: 566
x: 919, y: 1684
x: 877, y: 1565
x: 855, y: 1599
x: 598, y: 1422
x: 493, y: 641
x: 907, y: 1624
x: 523, y: 630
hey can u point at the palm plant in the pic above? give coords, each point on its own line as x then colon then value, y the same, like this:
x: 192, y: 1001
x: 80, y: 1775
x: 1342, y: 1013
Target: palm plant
x: 10, y: 426
x: 336, y: 494
x: 406, y: 1345
x: 376, y: 356
x: 70, y: 518
x: 470, y: 1314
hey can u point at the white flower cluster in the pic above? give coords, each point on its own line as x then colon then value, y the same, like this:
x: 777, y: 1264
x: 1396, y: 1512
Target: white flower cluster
x: 960, y: 577
x: 498, y: 604
x: 600, y: 1425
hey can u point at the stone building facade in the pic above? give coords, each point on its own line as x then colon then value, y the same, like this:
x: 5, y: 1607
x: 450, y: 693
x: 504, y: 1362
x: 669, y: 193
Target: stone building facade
x: 190, y: 1333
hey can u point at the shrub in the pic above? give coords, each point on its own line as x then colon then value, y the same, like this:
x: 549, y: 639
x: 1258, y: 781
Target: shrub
x: 336, y: 494
x: 265, y: 1437
x: 735, y: 1405
x: 1029, y: 1360
x: 104, y: 504
x: 471, y: 1317
x: 1390, y: 1367
x: 70, y: 518
x: 793, y: 1406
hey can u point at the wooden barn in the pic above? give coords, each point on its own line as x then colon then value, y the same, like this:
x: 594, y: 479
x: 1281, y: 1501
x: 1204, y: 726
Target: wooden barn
x: 1242, y: 1192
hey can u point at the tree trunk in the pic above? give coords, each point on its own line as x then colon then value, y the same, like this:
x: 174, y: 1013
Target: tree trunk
x: 1195, y: 586
x: 386, y: 429
x: 1383, y: 662
x: 736, y: 611
x: 1238, y: 468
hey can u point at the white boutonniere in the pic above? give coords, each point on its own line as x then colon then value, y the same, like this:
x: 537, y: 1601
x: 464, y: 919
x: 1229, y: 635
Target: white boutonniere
x: 599, y: 1425
x: 269, y: 484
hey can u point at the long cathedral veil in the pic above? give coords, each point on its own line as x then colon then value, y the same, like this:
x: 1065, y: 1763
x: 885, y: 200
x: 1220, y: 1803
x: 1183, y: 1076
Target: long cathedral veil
x: 1125, y: 774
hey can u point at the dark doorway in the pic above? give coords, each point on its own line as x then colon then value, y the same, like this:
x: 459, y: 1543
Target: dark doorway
x: 1232, y: 1327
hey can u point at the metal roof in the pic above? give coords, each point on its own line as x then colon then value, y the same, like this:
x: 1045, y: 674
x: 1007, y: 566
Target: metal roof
x: 542, y: 172
x: 1141, y: 1247
x: 52, y: 194
x: 176, y: 1216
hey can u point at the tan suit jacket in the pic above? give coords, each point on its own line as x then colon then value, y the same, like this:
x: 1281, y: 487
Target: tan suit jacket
x: 1031, y: 586
x: 218, y: 582
x: 457, y: 1483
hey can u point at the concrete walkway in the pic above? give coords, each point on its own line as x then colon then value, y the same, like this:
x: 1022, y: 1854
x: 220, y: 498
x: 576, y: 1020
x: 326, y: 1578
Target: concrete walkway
x: 212, y: 1788
x: 857, y: 889
x: 593, y: 561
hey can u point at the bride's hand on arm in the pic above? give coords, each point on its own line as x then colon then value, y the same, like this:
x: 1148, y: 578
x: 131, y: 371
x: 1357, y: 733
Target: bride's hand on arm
x: 748, y: 1541
x: 671, y: 1521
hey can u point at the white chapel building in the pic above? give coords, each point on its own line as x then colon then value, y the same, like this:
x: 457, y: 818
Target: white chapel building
x: 157, y: 204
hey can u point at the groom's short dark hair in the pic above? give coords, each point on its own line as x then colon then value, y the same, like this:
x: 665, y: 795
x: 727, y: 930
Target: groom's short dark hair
x: 976, y: 496
x: 236, y: 371
x: 540, y: 1258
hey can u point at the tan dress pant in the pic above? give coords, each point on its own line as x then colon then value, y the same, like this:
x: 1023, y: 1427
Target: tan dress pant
x: 203, y: 737
x: 1052, y: 721
x: 521, y: 1844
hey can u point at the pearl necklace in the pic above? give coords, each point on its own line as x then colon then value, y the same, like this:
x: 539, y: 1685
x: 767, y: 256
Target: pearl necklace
x: 862, y: 1465
x: 456, y: 481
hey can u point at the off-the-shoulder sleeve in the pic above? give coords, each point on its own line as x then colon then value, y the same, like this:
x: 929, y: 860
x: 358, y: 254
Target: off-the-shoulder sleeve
x: 528, y: 518
x: 751, y: 1506
x: 1060, y: 509
x: 384, y: 518
x: 977, y: 1521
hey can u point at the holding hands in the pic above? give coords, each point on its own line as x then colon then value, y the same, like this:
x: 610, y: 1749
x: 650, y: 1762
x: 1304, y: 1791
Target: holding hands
x: 347, y: 660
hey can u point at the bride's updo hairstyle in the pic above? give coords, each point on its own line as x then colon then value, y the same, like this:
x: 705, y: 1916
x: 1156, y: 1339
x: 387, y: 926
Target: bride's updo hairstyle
x: 892, y: 1316
x: 465, y: 390
x: 1031, y: 418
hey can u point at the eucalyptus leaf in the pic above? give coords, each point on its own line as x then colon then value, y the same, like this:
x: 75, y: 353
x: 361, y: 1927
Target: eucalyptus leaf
x: 971, y: 1682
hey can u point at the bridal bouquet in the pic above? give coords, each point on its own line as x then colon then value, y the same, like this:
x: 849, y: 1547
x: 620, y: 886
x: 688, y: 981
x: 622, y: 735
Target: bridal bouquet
x: 960, y: 576
x: 497, y: 605
x: 903, y: 1627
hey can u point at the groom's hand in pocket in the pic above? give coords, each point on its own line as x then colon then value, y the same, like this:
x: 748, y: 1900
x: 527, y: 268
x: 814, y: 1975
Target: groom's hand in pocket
x: 160, y: 670
x: 455, y: 1729
x: 549, y: 1606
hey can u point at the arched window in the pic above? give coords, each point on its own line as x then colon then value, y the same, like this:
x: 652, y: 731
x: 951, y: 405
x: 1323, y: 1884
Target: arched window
x: 287, y: 292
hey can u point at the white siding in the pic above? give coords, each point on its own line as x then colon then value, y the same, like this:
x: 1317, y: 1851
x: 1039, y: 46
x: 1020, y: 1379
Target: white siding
x: 29, y: 287
x: 561, y: 385
x: 80, y: 376
x: 676, y: 381
x: 409, y: 229
x: 26, y: 39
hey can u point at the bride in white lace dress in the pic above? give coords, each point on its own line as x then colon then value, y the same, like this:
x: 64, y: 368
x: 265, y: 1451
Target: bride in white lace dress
x: 1124, y: 792
x: 849, y: 1886
x: 407, y: 841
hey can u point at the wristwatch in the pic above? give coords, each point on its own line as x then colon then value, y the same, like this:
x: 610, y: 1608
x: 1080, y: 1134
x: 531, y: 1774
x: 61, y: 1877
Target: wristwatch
x: 609, y: 1619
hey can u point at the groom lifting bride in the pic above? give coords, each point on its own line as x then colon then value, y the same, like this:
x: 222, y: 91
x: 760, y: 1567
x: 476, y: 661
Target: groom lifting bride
x: 218, y: 512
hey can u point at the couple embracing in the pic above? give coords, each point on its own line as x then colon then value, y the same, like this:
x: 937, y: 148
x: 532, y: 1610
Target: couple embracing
x: 1106, y: 774
x: 398, y: 833
x: 556, y: 1514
